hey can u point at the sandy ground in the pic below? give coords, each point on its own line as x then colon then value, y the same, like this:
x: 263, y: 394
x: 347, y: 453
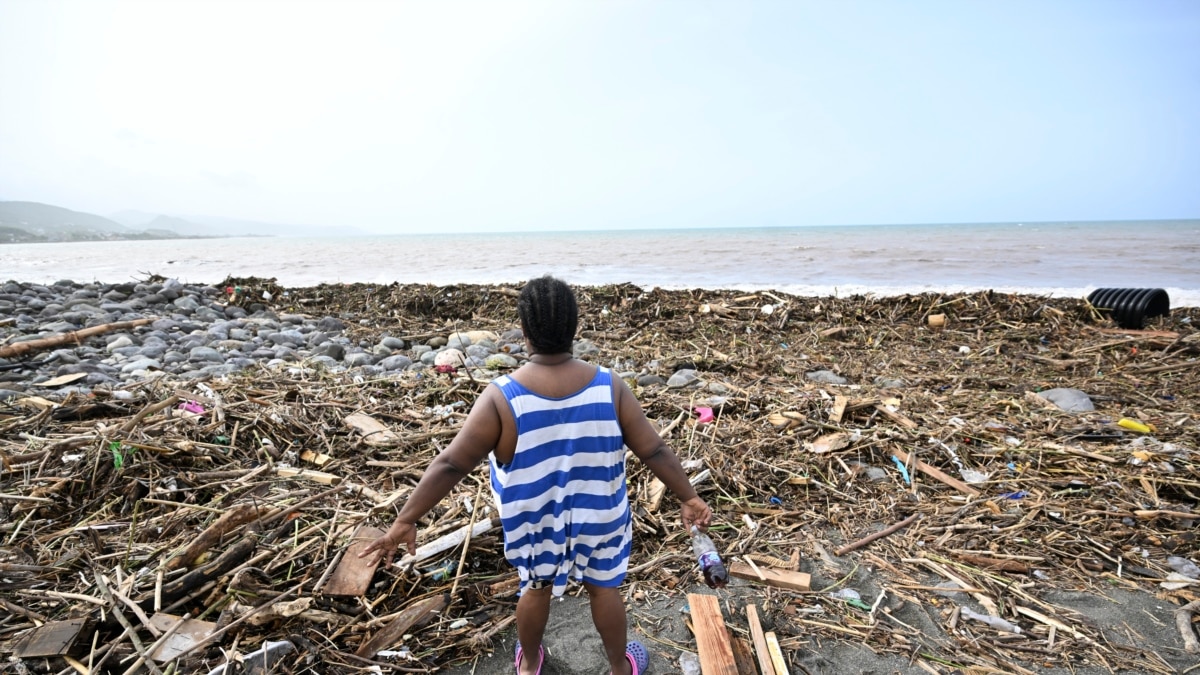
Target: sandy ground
x: 1134, y: 619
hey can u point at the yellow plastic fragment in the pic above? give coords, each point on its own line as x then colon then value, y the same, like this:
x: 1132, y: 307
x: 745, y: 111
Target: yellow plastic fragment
x: 1134, y: 425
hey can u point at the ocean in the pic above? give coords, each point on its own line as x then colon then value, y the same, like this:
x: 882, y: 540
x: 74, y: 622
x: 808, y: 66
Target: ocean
x: 1049, y: 259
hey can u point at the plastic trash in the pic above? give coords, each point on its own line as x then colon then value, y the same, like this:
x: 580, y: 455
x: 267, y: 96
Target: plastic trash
x: 1184, y: 566
x: 903, y: 470
x: 262, y: 661
x: 1131, y: 306
x: 715, y: 574
x: 1134, y: 425
x: 704, y: 415
x: 846, y: 594
x: 1070, y: 400
x: 993, y: 621
x: 689, y: 663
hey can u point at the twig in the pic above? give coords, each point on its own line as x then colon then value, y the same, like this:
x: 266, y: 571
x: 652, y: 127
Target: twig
x: 876, y: 535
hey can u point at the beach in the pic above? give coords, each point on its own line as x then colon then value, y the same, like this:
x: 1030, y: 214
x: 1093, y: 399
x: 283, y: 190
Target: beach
x: 218, y: 459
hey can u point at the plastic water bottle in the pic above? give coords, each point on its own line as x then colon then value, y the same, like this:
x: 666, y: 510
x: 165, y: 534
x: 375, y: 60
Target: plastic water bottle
x: 711, y: 566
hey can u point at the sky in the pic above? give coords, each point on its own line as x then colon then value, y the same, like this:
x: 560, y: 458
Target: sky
x: 399, y: 117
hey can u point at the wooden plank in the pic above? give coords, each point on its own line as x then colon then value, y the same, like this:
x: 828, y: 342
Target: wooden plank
x: 712, y: 638
x: 742, y: 656
x: 52, y: 639
x: 777, y: 659
x: 393, y: 633
x: 353, y: 574
x: 934, y: 472
x: 839, y: 409
x: 654, y: 494
x: 760, y: 641
x: 796, y: 581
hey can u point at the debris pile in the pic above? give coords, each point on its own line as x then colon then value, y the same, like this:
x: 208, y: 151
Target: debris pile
x: 187, y: 525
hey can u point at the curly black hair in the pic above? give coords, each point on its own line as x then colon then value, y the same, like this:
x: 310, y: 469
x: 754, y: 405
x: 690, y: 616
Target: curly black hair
x: 549, y: 315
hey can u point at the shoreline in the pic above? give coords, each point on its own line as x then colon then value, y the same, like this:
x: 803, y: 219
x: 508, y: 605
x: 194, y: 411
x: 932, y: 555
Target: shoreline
x: 1182, y: 298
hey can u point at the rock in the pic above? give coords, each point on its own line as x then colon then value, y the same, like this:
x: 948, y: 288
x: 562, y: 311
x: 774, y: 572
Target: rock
x: 331, y: 324
x: 359, y: 359
x: 333, y: 350
x: 449, y: 357
x: 479, y: 351
x: 206, y: 354
x: 584, y: 348
x: 458, y: 341
x: 397, y: 362
x: 649, y: 380
x: 500, y: 362
x: 437, y: 342
x: 141, y: 364
x: 187, y: 304
x: 394, y: 343
x: 59, y: 327
x: 118, y: 342
x: 1071, y: 400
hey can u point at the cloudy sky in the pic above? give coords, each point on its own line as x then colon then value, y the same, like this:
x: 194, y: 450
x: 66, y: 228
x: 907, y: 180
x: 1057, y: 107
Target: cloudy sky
x: 518, y: 115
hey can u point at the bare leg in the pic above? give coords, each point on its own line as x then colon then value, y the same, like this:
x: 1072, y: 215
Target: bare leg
x: 608, y: 613
x: 533, y: 609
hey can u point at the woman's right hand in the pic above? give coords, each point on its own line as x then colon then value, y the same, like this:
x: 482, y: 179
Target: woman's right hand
x: 399, y: 533
x: 695, y: 511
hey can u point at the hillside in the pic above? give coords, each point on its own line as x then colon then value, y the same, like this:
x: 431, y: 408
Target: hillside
x: 28, y: 222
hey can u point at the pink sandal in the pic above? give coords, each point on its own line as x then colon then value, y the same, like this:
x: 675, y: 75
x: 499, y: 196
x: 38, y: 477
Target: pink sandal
x: 520, y: 653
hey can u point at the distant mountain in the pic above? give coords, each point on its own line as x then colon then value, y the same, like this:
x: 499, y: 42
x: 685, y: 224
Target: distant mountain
x: 27, y: 222
x: 218, y: 226
x: 34, y: 222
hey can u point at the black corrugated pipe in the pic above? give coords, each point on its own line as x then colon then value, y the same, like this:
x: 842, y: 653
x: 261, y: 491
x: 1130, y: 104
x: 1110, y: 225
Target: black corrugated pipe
x: 1130, y: 307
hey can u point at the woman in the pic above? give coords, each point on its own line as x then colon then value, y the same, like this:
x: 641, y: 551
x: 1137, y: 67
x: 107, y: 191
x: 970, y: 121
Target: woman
x: 555, y: 432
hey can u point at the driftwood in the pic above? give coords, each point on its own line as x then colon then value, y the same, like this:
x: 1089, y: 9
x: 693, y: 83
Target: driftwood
x: 413, y: 615
x: 77, y: 336
x: 1183, y: 621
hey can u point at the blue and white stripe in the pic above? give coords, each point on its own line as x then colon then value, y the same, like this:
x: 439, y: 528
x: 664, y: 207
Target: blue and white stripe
x: 562, y: 499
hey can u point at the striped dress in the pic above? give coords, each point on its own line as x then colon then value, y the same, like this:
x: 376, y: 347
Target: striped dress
x: 562, y: 499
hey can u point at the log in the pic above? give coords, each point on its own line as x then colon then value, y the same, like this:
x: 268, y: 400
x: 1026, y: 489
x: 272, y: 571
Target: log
x: 414, y: 614
x: 228, y: 560
x: 712, y: 638
x: 9, y: 351
x: 211, y: 536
